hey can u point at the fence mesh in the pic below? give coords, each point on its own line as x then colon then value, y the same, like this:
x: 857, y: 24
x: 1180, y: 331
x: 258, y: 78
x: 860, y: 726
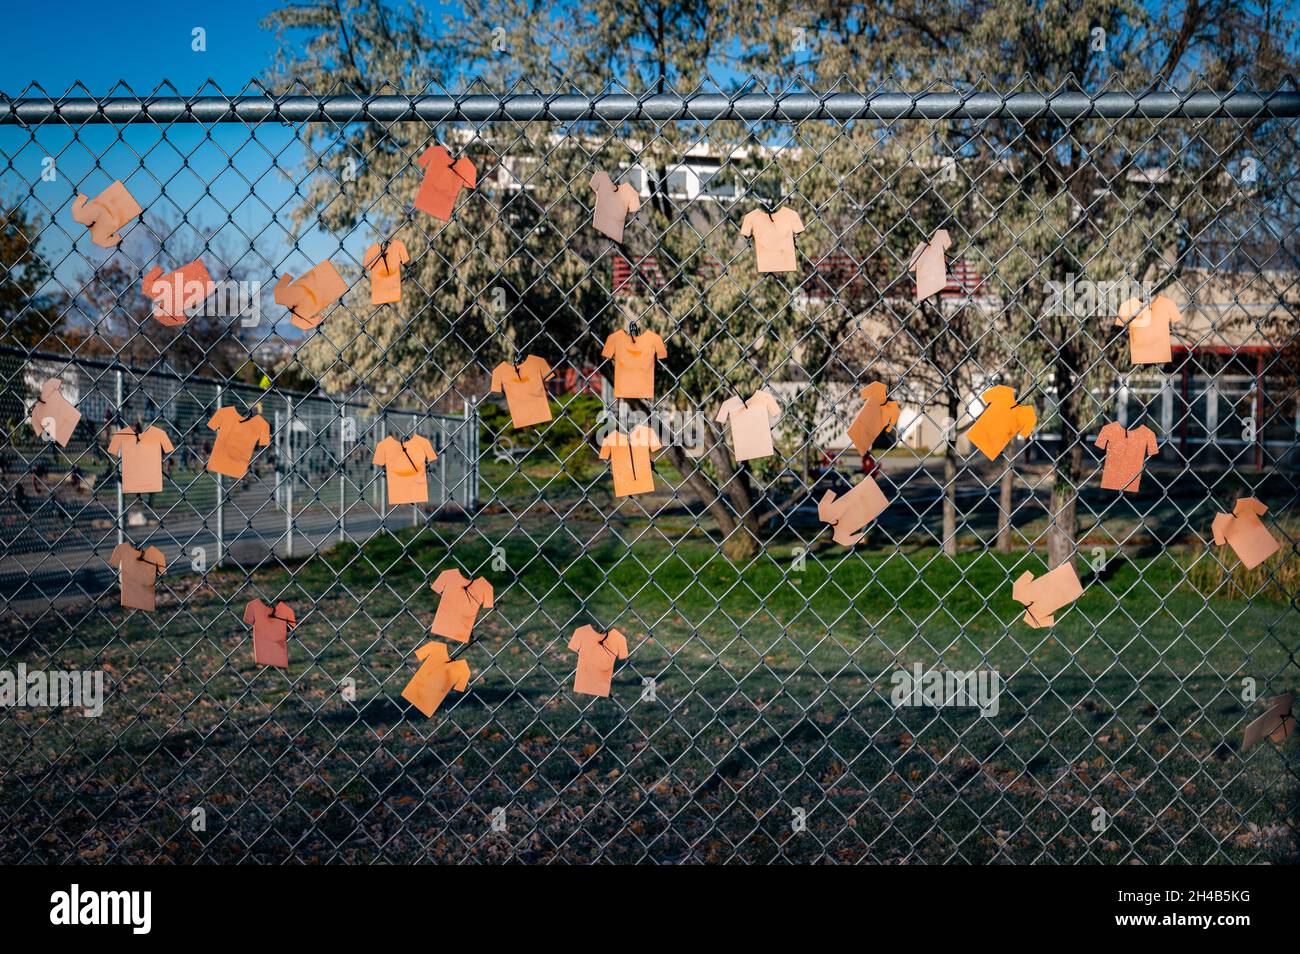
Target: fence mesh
x: 756, y: 717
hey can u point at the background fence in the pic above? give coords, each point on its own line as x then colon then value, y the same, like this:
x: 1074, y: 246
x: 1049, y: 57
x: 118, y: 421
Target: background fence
x: 754, y: 718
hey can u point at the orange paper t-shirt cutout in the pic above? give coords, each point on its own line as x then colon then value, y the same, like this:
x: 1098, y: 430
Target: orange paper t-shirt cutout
x: 106, y: 213
x: 443, y: 180
x: 629, y: 458
x: 237, y: 438
x: 1126, y: 454
x: 1278, y: 723
x: 177, y: 293
x: 307, y: 297
x: 634, y: 362
x: 773, y: 237
x: 459, y: 603
x: 1002, y: 420
x: 850, y: 513
x: 53, y: 417
x: 525, y: 390
x: 928, y: 263
x: 141, y: 456
x: 751, y: 424
x: 1149, y: 339
x: 877, y: 415
x: 404, y: 463
x: 597, y: 653
x: 1042, y: 597
x: 385, y: 268
x: 270, y: 632
x: 1245, y: 532
x: 613, y: 205
x: 137, y: 571
x: 438, y: 675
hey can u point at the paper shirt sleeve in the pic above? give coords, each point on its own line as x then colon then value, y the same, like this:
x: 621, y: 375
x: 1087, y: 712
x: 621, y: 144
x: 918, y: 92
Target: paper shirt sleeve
x: 381, y: 453
x: 425, y: 157
x: 465, y: 169
x: 633, y: 198
x: 285, y: 612
x: 427, y: 446
x: 542, y: 367
x: 115, y: 444
x: 1103, y: 437
x: 1027, y: 419
x: 482, y: 591
x: 891, y: 413
x: 462, y: 675
x: 605, y: 446
x: 165, y: 442
x: 218, y: 420
x: 747, y: 225
x: 1251, y: 505
x: 661, y: 350
x: 1222, y: 521
x: 120, y: 553
x: 155, y: 556
x: 652, y: 439
x: 575, y: 641
x: 443, y: 580
x: 250, y: 613
x: 793, y: 220
x: 916, y: 257
x: 370, y: 261
x: 599, y: 178
x: 263, y: 432
x: 402, y: 256
x: 620, y: 643
x: 611, y: 346
x: 773, y: 408
x: 1152, y: 446
x: 431, y: 649
x: 726, y: 410
x: 496, y: 386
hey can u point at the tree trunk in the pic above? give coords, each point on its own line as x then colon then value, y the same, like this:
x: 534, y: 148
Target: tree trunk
x: 735, y: 520
x: 1064, y: 508
x: 1005, y: 491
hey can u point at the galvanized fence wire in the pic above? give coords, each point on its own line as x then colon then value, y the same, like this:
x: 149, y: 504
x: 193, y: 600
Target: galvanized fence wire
x: 753, y: 719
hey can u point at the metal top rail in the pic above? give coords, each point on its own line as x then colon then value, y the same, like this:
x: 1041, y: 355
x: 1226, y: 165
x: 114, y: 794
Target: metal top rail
x: 792, y: 107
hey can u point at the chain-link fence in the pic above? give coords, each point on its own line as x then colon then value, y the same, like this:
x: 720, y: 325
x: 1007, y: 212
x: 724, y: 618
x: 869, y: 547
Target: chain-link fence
x: 774, y: 703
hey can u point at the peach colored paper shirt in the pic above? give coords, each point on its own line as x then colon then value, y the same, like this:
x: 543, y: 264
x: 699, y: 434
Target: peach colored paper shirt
x: 1002, y: 419
x: 773, y: 237
x: 459, y: 603
x: 443, y: 180
x: 629, y: 459
x: 849, y: 514
x: 877, y: 415
x: 751, y: 424
x: 437, y: 676
x: 634, y: 362
x: 237, y: 439
x: 1149, y: 339
x: 404, y: 465
x: 597, y: 653
x: 106, y: 213
x: 613, y: 205
x: 310, y: 295
x: 270, y: 632
x: 1047, y: 594
x: 1127, y: 450
x: 929, y: 265
x: 177, y: 293
x: 525, y: 390
x: 137, y: 572
x: 385, y: 268
x: 1245, y: 532
x: 52, y: 415
x: 141, y: 456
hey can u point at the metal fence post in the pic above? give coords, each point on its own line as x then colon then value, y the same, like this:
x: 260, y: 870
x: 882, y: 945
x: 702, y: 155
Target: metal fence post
x: 221, y: 500
x: 121, y: 417
x: 343, y: 473
x: 289, y: 473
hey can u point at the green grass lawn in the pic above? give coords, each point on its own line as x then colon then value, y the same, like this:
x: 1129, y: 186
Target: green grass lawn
x: 771, y: 694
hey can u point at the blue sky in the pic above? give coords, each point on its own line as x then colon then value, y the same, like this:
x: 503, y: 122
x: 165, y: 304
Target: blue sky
x: 142, y: 43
